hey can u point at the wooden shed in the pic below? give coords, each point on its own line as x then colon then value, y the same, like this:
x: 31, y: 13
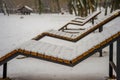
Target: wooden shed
x: 26, y: 10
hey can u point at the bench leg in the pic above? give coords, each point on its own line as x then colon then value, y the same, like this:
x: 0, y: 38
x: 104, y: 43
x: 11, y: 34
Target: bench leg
x: 110, y: 60
x: 118, y: 59
x: 93, y: 21
x: 101, y: 29
x: 5, y: 71
x: 100, y: 53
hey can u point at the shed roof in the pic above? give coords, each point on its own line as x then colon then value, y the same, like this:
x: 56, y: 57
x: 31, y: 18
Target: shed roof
x: 26, y: 7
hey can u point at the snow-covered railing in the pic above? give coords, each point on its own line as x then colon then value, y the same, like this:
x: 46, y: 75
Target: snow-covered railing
x: 82, y: 34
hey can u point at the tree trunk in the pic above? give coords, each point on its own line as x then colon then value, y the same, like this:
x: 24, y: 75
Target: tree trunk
x: 58, y: 5
x: 70, y: 7
x: 4, y: 7
x: 40, y: 6
x: 112, y: 7
x: 106, y: 6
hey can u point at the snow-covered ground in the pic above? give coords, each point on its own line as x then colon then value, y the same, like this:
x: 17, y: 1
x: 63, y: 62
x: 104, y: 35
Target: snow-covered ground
x: 15, y: 30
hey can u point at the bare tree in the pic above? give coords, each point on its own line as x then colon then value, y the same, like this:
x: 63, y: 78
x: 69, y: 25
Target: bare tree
x: 40, y: 6
x: 58, y: 5
x: 1, y: 6
x: 4, y: 8
x: 81, y: 7
x: 115, y: 5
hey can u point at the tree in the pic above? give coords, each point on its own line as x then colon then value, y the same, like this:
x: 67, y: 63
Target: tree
x: 58, y: 5
x: 81, y: 7
x: 1, y: 6
x: 115, y: 5
x: 4, y: 8
x: 40, y: 6
x: 106, y: 6
x: 70, y: 7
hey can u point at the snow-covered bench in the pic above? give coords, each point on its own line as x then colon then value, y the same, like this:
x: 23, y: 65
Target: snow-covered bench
x: 72, y: 54
x: 77, y: 36
x: 69, y: 55
x: 81, y: 22
x: 82, y: 19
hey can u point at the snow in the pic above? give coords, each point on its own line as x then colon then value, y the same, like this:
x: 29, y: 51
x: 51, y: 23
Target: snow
x: 59, y: 42
x: 60, y: 33
x: 78, y: 26
x: 83, y: 43
x: 29, y: 8
x: 86, y: 27
x: 89, y: 17
x: 15, y: 32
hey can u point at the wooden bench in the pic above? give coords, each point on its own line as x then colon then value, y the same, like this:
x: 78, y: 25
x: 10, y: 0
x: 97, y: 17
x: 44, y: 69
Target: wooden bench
x: 83, y: 21
x: 70, y: 55
x: 75, y: 37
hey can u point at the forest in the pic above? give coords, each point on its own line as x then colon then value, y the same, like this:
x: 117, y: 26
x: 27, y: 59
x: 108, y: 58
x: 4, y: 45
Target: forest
x: 77, y: 7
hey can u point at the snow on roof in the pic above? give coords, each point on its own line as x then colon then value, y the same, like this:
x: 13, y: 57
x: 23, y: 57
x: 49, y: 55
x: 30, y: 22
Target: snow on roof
x: 28, y: 8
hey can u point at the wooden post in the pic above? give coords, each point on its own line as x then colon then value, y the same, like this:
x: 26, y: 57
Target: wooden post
x: 118, y: 59
x: 110, y: 60
x: 93, y: 21
x: 100, y: 53
x: 5, y: 71
x: 101, y: 29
